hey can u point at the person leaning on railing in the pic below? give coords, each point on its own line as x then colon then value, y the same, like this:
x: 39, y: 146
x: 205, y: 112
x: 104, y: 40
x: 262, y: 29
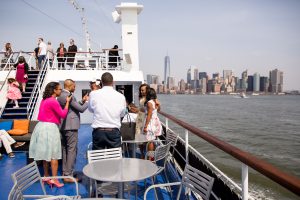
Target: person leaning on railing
x: 61, y: 55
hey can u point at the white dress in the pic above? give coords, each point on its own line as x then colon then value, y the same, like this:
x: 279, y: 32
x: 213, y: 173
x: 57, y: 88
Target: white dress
x: 154, y: 127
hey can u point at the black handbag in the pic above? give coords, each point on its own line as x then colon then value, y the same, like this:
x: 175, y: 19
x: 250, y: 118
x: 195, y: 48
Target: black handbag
x: 128, y: 129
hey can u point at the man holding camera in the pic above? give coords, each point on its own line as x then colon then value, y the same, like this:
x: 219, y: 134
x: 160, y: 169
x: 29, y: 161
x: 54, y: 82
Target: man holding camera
x: 69, y: 127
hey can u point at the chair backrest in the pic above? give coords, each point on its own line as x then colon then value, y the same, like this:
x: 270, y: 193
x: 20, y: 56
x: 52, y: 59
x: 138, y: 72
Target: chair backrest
x: 171, y: 138
x: 161, y: 152
x: 113, y: 153
x: 197, y: 181
x: 26, y: 176
x: 15, y: 193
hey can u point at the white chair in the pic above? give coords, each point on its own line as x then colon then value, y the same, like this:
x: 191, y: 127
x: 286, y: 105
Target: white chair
x: 25, y: 177
x: 96, y: 155
x: 192, y: 179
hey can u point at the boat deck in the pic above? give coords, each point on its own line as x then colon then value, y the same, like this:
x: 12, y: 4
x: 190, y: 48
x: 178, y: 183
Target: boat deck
x: 10, y: 165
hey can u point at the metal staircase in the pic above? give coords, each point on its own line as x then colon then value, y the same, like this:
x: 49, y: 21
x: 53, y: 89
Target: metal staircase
x: 21, y: 112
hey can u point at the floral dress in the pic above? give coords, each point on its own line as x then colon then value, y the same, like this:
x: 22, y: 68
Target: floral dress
x: 154, y: 127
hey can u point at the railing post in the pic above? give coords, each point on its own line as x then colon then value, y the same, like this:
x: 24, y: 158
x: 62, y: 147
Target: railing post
x: 245, y: 181
x: 187, y: 146
x: 167, y: 124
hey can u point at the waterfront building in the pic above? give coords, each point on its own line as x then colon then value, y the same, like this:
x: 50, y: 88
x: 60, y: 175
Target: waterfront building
x: 182, y: 85
x: 192, y: 75
x: 244, y: 80
x: 250, y: 84
x: 166, y: 69
x: 171, y: 83
x: 263, y: 84
x: 227, y: 74
x: 256, y: 82
x: 202, y: 75
x: 152, y: 79
x: 202, y: 85
x: 276, y: 81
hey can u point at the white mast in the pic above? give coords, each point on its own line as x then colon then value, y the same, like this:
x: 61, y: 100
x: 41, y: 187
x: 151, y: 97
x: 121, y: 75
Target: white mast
x: 84, y: 24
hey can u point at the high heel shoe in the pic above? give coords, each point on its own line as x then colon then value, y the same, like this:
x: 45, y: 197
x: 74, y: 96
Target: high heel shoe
x: 45, y: 179
x: 56, y: 183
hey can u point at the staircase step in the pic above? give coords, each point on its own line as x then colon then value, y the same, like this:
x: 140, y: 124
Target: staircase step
x: 14, y: 116
x: 15, y: 110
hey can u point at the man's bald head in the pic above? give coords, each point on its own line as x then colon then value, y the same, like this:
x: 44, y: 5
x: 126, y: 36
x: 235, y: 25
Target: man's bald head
x: 69, y: 85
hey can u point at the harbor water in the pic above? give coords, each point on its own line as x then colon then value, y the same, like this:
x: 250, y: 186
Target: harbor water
x: 265, y: 126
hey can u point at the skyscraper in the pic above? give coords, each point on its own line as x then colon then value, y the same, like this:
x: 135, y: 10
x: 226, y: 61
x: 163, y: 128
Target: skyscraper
x: 256, y: 82
x: 276, y: 81
x: 167, y: 69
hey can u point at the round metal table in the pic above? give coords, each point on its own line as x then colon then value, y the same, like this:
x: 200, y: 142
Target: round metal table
x: 120, y: 171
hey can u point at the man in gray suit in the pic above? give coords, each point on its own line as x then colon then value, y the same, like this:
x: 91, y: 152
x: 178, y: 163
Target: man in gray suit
x: 69, y: 127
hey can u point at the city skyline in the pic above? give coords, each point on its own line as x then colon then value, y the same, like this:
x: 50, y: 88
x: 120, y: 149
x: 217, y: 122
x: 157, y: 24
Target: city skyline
x: 226, y: 82
x: 212, y: 35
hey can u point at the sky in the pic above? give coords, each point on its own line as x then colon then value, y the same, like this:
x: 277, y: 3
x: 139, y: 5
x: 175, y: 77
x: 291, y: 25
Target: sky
x: 257, y: 35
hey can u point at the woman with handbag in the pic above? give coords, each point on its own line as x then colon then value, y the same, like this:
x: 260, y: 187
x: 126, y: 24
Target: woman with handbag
x: 152, y: 127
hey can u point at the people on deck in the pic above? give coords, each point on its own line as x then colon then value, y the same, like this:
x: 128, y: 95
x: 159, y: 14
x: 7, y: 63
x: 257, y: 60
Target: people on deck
x: 61, y: 55
x: 50, y: 53
x: 7, y: 141
x: 72, y: 49
x: 45, y: 142
x: 42, y: 52
x: 8, y: 51
x: 69, y: 127
x: 22, y: 72
x: 114, y: 57
x: 152, y: 125
x: 107, y: 106
x: 36, y: 52
x: 13, y: 92
x: 95, y: 84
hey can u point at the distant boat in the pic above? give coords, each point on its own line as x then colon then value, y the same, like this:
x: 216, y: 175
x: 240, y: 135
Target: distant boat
x: 243, y: 95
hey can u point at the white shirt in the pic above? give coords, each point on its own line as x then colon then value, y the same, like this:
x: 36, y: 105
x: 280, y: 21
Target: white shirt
x: 108, y: 107
x: 43, y: 48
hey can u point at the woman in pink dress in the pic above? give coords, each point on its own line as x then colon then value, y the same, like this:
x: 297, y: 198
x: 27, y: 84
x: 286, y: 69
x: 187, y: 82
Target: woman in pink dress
x: 13, y: 92
x: 45, y: 142
x: 22, y: 70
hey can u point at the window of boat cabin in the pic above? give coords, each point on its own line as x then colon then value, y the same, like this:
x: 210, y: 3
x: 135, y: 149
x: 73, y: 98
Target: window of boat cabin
x: 127, y: 91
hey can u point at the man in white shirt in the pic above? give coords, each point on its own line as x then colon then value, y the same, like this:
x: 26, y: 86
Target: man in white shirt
x: 42, y: 52
x: 107, y: 106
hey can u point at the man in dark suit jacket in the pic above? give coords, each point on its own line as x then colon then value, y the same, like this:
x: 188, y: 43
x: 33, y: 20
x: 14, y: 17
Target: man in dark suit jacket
x: 69, y: 127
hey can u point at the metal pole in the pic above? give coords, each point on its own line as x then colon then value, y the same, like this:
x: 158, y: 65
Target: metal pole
x: 167, y: 124
x: 245, y: 181
x: 187, y: 146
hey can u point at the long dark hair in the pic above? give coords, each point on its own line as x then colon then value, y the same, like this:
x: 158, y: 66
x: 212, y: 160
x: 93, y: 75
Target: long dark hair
x: 49, y: 90
x: 151, y: 94
x: 147, y: 89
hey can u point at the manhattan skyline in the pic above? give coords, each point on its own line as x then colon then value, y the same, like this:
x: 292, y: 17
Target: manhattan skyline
x: 211, y: 35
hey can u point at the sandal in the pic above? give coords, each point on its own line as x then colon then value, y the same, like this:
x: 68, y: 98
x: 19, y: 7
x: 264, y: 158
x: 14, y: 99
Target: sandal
x: 11, y: 155
x: 19, y: 144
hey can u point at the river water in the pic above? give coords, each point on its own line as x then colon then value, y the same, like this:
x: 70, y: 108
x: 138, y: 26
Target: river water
x: 265, y: 126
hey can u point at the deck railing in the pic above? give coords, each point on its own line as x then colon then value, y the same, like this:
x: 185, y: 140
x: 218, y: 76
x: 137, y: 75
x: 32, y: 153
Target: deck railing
x: 286, y: 180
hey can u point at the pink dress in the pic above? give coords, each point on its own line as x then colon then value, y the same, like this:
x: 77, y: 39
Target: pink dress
x: 20, y: 73
x: 14, y: 92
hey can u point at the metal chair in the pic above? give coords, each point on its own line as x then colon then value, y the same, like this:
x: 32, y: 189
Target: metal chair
x: 96, y: 155
x: 193, y: 179
x: 160, y: 155
x: 15, y: 193
x: 29, y: 175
